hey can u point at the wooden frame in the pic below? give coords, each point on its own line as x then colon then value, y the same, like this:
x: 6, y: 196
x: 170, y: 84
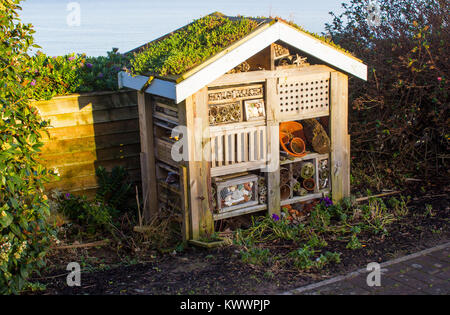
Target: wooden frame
x: 251, y: 145
x: 249, y: 116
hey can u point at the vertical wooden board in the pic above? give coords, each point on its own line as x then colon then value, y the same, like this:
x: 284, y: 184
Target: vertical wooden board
x: 346, y: 183
x: 148, y: 173
x: 196, y: 110
x: 340, y: 173
x: 273, y: 149
x: 186, y: 225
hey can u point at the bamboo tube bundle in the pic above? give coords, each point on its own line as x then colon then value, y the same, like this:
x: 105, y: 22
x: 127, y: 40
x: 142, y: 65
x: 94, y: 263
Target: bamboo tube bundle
x: 307, y: 170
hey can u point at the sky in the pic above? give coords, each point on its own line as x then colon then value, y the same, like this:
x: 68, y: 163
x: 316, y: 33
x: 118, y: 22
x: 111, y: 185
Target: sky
x: 104, y: 24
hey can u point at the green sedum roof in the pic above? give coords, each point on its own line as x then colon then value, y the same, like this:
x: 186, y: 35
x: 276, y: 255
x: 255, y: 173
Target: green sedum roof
x: 186, y: 48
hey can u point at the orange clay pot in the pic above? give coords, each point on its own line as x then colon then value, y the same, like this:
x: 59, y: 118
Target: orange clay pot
x: 309, y: 184
x: 297, y: 146
x: 291, y: 130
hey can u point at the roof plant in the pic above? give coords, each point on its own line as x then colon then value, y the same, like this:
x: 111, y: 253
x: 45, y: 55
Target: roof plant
x: 24, y: 232
x: 191, y: 45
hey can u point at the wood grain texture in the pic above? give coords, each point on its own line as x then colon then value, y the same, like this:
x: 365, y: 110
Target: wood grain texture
x: 340, y: 144
x: 88, y: 131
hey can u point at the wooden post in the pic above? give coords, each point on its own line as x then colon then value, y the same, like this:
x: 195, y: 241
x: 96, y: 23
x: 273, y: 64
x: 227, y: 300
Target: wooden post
x: 197, y: 123
x: 340, y: 140
x: 273, y: 146
x: 148, y: 172
x: 184, y: 184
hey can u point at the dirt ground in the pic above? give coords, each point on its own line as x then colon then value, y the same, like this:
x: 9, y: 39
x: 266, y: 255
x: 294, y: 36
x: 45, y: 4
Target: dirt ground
x: 221, y: 271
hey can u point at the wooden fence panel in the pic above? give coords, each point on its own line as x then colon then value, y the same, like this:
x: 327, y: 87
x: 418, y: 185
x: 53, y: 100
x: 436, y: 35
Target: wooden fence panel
x: 88, y: 131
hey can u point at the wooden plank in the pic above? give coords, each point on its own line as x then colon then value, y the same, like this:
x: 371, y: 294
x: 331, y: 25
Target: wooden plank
x: 340, y: 151
x: 148, y: 172
x: 263, y: 75
x: 186, y: 225
x: 97, y: 129
x: 91, y: 117
x: 237, y: 167
x: 85, y: 102
x: 321, y: 50
x: 320, y: 194
x: 113, y: 153
x: 162, y: 88
x: 196, y: 121
x: 239, y: 147
x: 230, y: 214
x: 219, y: 150
x: 273, y: 145
x: 90, y: 143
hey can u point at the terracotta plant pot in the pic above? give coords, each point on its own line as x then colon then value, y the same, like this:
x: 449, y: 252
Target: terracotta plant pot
x: 284, y: 138
x: 309, y: 184
x: 292, y: 130
x: 285, y: 192
x: 298, y: 146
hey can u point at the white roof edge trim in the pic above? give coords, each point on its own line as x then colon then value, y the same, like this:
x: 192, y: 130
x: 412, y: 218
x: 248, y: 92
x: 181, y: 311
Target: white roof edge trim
x: 277, y: 31
x: 322, y: 51
x: 230, y: 60
x: 157, y: 87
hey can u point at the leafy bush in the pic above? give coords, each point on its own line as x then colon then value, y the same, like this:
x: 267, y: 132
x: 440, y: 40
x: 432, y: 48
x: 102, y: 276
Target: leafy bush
x: 24, y: 233
x: 101, y: 213
x: 189, y: 46
x: 90, y: 216
x: 62, y: 75
x: 399, y: 124
x: 114, y: 187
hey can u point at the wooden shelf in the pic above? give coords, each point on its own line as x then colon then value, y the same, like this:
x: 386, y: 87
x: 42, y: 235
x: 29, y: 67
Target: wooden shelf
x: 305, y: 198
x: 309, y: 156
x: 234, y: 213
x: 169, y: 187
x: 166, y: 118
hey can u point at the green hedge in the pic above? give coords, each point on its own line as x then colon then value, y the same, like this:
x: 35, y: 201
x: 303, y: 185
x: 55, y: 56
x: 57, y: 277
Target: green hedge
x: 74, y: 73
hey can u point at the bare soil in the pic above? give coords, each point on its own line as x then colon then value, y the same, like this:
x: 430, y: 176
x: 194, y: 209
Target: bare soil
x: 221, y: 271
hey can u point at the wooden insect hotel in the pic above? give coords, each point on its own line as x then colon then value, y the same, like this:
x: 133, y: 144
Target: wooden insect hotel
x: 254, y: 125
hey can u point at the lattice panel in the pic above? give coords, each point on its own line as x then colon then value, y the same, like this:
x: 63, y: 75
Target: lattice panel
x: 304, y: 97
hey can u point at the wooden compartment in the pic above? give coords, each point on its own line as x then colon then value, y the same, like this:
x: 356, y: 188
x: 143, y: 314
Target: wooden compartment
x: 236, y: 193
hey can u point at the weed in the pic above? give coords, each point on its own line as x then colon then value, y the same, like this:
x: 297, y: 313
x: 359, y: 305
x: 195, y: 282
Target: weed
x: 256, y: 256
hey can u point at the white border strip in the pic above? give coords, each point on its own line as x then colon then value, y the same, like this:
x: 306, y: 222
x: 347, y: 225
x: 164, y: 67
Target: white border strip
x: 322, y: 51
x: 230, y: 60
x: 157, y: 87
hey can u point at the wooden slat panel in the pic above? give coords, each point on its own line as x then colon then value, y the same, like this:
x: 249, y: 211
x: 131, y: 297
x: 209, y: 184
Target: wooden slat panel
x: 97, y: 129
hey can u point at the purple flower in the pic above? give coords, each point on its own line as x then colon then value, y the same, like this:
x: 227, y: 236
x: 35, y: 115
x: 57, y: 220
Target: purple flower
x: 89, y: 65
x: 275, y: 217
x: 100, y: 75
x: 67, y: 195
x: 327, y: 201
x: 33, y: 83
x: 71, y: 58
